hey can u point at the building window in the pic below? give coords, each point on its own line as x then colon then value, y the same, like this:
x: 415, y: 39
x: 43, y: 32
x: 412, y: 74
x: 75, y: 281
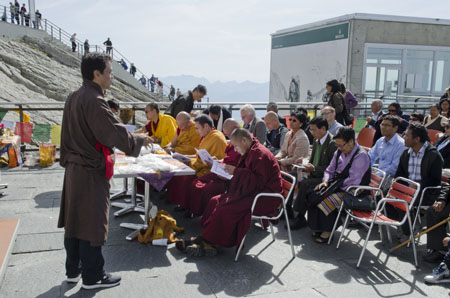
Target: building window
x: 384, y: 56
x: 442, y: 72
x: 419, y: 69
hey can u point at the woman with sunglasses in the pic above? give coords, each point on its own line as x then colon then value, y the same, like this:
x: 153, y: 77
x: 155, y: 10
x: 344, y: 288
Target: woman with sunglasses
x: 296, y: 143
x: 443, y: 146
x: 435, y: 120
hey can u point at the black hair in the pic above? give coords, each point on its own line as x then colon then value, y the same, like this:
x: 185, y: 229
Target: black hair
x: 335, y: 87
x: 241, y: 133
x: 394, y: 120
x: 345, y: 133
x: 215, y: 109
x: 113, y: 104
x: 92, y: 62
x: 396, y: 105
x: 419, y: 131
x: 437, y: 106
x: 417, y: 116
x: 301, y: 117
x: 273, y: 106
x: 200, y: 89
x: 304, y: 111
x: 343, y: 90
x: 204, y: 119
x: 442, y: 100
x: 153, y: 106
x: 319, y: 122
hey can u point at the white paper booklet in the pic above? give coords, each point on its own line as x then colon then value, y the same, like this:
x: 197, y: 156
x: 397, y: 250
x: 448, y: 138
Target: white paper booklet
x: 205, y: 156
x: 219, y: 170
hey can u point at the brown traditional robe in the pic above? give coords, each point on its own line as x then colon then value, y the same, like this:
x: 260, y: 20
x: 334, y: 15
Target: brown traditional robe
x: 87, y: 120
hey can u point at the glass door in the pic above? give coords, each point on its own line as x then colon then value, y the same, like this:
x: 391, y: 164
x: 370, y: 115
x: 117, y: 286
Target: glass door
x: 391, y: 82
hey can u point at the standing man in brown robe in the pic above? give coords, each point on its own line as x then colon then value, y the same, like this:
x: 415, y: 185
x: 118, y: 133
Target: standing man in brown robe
x: 89, y: 131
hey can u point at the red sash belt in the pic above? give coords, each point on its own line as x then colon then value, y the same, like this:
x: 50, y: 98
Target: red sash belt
x: 108, y: 159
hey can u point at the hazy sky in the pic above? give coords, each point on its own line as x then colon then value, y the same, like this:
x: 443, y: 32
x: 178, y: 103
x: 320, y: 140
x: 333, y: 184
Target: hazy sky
x: 218, y: 40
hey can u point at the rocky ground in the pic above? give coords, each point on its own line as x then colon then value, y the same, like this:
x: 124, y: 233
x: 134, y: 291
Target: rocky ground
x: 36, y: 70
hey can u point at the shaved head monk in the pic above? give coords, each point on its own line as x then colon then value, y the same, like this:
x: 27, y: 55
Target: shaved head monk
x: 227, y: 217
x: 186, y: 140
x: 210, y: 185
x: 212, y: 141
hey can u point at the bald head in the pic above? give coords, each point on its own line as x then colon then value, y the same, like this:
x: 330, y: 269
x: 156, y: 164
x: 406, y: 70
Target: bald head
x: 376, y: 105
x: 229, y: 126
x: 182, y: 120
x: 271, y: 120
x: 242, y: 140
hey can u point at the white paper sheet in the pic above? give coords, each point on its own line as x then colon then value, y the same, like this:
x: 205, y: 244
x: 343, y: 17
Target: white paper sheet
x: 219, y: 170
x: 205, y: 156
x: 181, y: 157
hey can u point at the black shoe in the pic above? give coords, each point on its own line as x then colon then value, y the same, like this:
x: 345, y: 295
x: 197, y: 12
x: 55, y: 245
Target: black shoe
x: 433, y: 256
x: 298, y: 223
x: 107, y: 281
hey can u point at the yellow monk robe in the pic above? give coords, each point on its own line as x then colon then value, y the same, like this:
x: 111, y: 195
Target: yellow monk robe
x: 188, y: 140
x: 166, y: 129
x: 215, y: 143
x: 179, y: 187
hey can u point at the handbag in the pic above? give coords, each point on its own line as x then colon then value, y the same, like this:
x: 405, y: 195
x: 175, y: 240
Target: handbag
x: 358, y: 203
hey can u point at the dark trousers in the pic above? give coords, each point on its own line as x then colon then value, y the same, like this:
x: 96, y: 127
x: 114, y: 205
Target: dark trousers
x: 84, y: 258
x: 435, y: 237
x: 304, y: 188
x: 74, y: 46
x: 397, y: 214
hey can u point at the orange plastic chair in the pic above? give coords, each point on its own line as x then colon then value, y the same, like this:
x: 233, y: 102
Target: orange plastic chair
x: 434, y: 135
x: 402, y: 194
x: 365, y: 137
x: 287, y: 121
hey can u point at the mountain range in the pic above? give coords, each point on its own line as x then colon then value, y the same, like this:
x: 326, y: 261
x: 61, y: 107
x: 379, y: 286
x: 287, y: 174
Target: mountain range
x: 222, y: 91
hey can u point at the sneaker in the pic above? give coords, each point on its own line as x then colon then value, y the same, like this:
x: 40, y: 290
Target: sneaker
x: 107, y: 281
x: 433, y: 256
x: 440, y: 274
x: 74, y: 279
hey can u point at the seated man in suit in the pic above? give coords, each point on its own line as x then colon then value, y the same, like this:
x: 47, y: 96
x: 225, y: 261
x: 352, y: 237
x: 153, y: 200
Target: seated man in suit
x: 256, y: 126
x: 321, y: 155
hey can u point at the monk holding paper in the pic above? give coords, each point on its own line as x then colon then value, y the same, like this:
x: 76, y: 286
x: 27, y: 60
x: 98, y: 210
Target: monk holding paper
x: 227, y: 217
x: 210, y: 185
x: 212, y: 141
x: 186, y: 139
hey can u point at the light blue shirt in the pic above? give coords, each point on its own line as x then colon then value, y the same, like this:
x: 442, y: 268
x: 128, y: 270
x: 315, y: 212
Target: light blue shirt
x: 387, y: 154
x: 333, y: 128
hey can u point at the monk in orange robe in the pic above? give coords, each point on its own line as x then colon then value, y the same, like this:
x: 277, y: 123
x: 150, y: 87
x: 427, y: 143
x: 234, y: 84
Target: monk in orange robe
x: 212, y: 141
x: 210, y: 185
x: 186, y: 140
x: 227, y: 217
x: 161, y: 128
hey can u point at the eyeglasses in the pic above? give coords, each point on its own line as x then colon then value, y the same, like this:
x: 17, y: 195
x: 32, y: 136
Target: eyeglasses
x: 341, y: 146
x: 386, y: 125
x: 326, y: 113
x: 292, y: 120
x: 392, y: 111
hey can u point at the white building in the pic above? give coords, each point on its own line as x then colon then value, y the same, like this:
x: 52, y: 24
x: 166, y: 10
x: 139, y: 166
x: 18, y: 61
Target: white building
x: 373, y: 55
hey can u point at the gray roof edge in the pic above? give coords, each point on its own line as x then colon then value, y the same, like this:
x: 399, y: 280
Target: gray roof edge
x: 363, y: 16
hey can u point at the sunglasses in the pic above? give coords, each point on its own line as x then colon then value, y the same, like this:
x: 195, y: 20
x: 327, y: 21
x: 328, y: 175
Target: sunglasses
x: 392, y: 111
x: 292, y: 120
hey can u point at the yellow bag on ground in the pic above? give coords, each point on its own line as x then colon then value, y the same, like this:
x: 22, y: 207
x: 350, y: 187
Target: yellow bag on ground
x: 160, y: 227
x: 47, y: 155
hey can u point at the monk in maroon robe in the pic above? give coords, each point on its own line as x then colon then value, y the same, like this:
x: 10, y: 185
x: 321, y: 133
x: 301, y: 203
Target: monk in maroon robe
x: 210, y: 185
x: 227, y: 217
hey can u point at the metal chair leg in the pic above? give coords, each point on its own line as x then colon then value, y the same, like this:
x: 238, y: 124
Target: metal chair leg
x: 413, y: 241
x: 289, y: 233
x: 365, y: 245
x: 343, y: 230
x: 335, y: 224
x: 271, y: 231
x: 240, y: 248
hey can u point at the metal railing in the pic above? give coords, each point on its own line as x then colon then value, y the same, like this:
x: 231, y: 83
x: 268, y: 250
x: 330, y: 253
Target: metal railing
x: 409, y: 104
x: 57, y: 33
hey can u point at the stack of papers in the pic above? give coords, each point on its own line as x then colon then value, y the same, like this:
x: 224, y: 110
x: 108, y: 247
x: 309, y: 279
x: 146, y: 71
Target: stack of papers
x: 205, y: 156
x: 180, y: 157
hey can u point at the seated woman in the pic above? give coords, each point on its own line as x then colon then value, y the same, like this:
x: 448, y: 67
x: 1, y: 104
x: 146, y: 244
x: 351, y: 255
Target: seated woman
x: 435, y: 120
x: 350, y: 164
x: 442, y: 144
x: 296, y: 143
x: 444, y: 106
